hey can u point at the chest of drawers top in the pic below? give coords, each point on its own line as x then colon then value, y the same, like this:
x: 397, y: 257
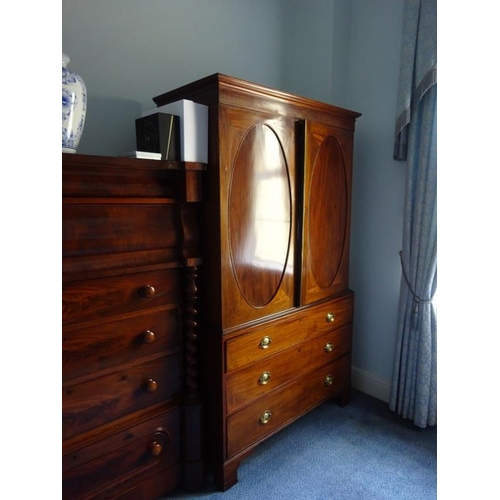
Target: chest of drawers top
x: 110, y: 177
x: 121, y: 215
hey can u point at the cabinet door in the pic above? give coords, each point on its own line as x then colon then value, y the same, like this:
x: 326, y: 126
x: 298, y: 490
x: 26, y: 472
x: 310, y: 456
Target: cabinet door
x: 326, y: 211
x: 257, y: 200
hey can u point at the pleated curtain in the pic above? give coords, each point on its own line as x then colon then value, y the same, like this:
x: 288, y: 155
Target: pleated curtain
x: 414, y: 380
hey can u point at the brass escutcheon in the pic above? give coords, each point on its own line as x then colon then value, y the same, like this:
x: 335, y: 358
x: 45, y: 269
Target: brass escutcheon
x: 264, y: 378
x: 265, y: 417
x: 265, y: 342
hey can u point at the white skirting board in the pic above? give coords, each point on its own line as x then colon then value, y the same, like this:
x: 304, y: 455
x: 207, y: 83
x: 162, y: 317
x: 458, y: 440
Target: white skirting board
x: 370, y: 384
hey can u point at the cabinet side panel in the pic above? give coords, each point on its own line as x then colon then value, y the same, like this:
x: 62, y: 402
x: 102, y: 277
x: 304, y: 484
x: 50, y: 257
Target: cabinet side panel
x: 210, y: 232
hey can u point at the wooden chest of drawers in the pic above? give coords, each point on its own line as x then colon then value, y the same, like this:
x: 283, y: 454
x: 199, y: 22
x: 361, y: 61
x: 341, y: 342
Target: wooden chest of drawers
x: 276, y: 372
x: 131, y: 423
x: 269, y: 414
x: 276, y: 304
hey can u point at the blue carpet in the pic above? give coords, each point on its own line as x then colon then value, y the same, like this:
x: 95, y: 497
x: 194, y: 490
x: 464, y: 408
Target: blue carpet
x: 362, y: 451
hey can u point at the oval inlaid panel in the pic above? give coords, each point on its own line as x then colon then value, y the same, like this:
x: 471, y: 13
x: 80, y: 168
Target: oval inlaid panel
x: 259, y: 215
x: 327, y: 212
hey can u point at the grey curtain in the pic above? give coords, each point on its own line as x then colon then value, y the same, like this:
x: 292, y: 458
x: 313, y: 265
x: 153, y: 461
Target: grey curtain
x: 418, y: 66
x: 414, y: 380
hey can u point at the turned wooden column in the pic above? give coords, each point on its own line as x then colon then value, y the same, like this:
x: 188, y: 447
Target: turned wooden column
x: 194, y: 465
x: 189, y: 193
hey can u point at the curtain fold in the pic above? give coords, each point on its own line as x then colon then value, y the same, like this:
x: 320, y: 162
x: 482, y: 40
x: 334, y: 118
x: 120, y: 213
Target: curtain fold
x: 414, y: 380
x: 418, y: 66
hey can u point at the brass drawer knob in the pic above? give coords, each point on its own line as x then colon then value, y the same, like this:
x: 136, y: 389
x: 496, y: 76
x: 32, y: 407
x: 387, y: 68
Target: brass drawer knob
x: 330, y: 317
x: 329, y: 347
x: 264, y: 378
x: 265, y: 342
x: 328, y: 380
x: 148, y: 337
x: 155, y: 449
x: 265, y: 417
x: 150, y: 385
x: 147, y: 291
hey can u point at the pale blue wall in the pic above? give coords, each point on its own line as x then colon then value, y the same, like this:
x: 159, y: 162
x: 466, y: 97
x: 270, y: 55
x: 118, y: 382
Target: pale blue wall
x: 345, y: 52
x: 378, y: 184
x: 129, y: 51
x: 317, y: 35
x: 308, y: 35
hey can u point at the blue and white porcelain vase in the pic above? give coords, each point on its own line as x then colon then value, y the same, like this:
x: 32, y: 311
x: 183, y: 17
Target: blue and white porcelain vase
x: 74, y: 107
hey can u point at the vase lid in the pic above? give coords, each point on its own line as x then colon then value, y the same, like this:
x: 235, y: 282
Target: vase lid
x: 65, y: 59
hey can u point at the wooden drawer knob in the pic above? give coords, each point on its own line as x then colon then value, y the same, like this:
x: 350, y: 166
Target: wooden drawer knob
x: 148, y: 337
x: 328, y: 380
x: 155, y: 449
x: 330, y: 317
x: 150, y: 385
x: 147, y: 291
x: 329, y: 347
x: 265, y: 342
x: 265, y: 417
x: 264, y: 378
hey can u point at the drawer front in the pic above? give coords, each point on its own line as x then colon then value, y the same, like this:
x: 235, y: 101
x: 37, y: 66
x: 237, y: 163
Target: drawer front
x: 96, y: 229
x: 139, y: 450
x: 263, y: 376
x: 106, y: 297
x: 95, y: 402
x: 260, y: 341
x: 88, y: 350
x: 330, y: 315
x: 92, y: 176
x: 271, y: 412
x: 264, y: 340
x: 155, y: 486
